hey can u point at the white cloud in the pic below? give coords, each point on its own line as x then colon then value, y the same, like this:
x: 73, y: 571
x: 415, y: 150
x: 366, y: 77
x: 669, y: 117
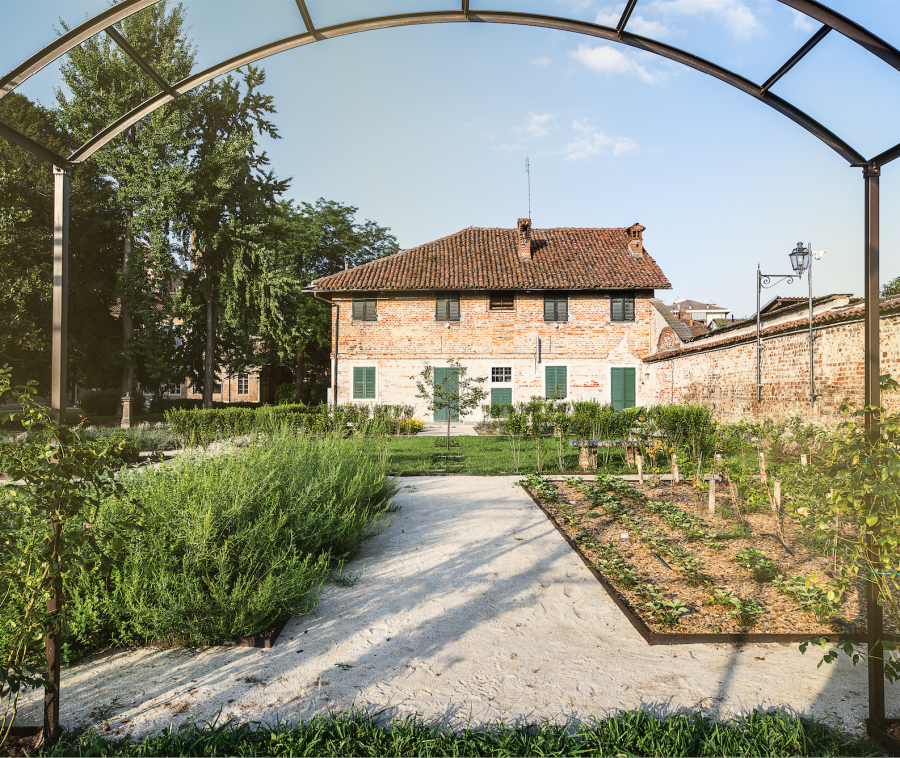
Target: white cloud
x: 636, y: 24
x: 803, y: 23
x: 608, y: 60
x: 543, y: 62
x: 537, y: 125
x: 589, y: 142
x: 733, y: 14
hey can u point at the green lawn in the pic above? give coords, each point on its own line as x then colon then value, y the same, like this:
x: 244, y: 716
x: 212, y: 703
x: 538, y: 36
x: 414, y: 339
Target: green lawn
x: 630, y: 733
x: 481, y: 455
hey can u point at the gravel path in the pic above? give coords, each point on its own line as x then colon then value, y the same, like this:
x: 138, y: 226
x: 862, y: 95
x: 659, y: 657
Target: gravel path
x: 471, y: 604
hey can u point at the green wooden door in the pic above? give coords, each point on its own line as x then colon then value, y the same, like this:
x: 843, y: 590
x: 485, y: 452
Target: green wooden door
x: 501, y: 396
x: 555, y: 382
x: 448, y: 379
x: 623, y: 388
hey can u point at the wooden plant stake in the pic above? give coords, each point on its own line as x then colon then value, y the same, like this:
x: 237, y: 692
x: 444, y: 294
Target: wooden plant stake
x: 762, y: 467
x: 639, y: 459
x: 53, y: 640
x: 676, y: 478
x: 777, y: 507
x: 803, y: 460
x: 712, y: 494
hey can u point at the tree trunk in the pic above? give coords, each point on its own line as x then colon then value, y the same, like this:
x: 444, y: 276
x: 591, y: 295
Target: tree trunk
x: 127, y: 324
x: 299, y: 373
x: 209, y: 358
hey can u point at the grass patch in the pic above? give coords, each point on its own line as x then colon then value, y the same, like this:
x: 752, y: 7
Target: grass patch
x: 483, y: 455
x: 631, y: 733
x: 230, y: 544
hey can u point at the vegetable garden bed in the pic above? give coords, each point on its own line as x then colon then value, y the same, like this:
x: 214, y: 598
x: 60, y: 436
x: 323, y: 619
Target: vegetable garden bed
x: 681, y: 575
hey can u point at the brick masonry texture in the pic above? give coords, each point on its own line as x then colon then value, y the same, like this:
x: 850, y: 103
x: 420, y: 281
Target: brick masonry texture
x: 407, y: 334
x: 726, y: 377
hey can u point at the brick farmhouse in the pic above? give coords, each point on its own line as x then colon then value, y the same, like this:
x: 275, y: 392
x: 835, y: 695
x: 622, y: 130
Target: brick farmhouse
x: 567, y: 313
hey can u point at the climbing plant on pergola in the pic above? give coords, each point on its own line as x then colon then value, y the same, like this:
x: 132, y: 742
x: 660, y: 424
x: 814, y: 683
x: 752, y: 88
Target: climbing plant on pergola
x: 462, y: 13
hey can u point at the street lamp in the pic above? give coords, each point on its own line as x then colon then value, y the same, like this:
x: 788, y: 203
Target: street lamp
x: 764, y: 282
x: 801, y: 260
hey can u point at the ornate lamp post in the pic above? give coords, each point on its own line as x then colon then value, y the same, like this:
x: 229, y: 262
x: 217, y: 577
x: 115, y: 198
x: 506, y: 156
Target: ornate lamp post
x: 764, y: 282
x: 801, y: 260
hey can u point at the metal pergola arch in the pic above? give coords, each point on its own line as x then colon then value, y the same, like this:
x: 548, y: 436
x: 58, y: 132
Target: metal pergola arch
x: 829, y: 18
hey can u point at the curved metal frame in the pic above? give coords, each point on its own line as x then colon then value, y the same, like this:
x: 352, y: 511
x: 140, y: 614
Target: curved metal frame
x: 104, y: 21
x: 829, y: 18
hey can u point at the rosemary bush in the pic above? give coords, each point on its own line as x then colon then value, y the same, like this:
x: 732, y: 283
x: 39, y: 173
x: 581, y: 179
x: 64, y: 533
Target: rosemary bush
x: 229, y: 544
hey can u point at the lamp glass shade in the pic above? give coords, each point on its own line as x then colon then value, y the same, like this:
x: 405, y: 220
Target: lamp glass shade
x: 800, y: 259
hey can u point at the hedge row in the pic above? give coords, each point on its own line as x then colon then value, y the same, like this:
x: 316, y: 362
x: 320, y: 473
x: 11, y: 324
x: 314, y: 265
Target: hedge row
x: 201, y: 427
x: 198, y: 426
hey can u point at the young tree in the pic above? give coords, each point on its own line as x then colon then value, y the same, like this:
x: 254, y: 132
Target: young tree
x: 458, y: 398
x: 145, y: 164
x: 314, y: 241
x: 891, y: 288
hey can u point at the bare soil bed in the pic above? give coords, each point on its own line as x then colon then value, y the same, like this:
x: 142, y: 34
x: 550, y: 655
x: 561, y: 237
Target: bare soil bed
x: 621, y: 537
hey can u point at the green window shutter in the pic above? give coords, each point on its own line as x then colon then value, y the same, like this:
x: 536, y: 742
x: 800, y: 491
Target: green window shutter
x: 371, y: 313
x: 629, y: 387
x: 556, y: 307
x: 555, y: 381
x: 616, y: 309
x: 549, y: 309
x: 628, y: 309
x: 358, y: 310
x: 617, y: 396
x: 446, y: 308
x: 364, y: 382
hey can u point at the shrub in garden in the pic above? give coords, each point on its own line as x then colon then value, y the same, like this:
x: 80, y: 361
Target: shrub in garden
x: 285, y: 394
x: 101, y: 402
x: 230, y: 544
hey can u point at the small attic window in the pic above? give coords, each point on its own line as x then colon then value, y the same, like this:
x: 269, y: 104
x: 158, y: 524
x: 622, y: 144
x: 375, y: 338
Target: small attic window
x: 635, y: 234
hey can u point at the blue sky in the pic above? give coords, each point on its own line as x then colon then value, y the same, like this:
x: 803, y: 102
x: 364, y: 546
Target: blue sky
x: 426, y: 128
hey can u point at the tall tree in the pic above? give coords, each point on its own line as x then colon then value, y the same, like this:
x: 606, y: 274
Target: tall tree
x: 314, y: 241
x: 226, y: 206
x: 145, y: 163
x: 891, y: 288
x: 26, y: 256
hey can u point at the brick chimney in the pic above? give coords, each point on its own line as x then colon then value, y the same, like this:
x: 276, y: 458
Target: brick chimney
x: 525, y: 238
x: 636, y: 240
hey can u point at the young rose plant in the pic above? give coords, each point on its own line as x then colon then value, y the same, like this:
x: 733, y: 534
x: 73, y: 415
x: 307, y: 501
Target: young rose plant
x: 56, y: 483
x: 863, y: 488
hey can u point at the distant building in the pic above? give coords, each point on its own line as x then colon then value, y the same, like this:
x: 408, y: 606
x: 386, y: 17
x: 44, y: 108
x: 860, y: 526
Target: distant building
x: 693, y: 310
x: 559, y: 313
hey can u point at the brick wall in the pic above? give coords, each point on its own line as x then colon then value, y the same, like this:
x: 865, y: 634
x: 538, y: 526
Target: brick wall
x: 407, y: 334
x: 726, y: 377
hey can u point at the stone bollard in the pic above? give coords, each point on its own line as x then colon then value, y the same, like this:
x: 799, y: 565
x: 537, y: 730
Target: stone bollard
x: 587, y: 458
x: 126, y: 411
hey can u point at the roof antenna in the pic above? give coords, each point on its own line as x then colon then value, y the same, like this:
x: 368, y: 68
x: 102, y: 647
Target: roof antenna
x: 528, y: 174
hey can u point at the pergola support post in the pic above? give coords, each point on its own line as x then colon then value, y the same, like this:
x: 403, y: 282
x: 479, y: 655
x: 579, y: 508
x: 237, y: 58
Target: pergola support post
x: 61, y: 179
x: 872, y: 376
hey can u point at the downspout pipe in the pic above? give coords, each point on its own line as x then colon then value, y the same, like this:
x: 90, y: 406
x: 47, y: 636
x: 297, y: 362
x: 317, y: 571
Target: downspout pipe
x: 334, y: 360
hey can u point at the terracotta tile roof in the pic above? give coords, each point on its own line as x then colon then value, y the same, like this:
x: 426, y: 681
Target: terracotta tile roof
x: 888, y: 306
x: 488, y: 259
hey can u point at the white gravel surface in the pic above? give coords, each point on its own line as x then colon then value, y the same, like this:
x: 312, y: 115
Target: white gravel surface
x: 471, y: 605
